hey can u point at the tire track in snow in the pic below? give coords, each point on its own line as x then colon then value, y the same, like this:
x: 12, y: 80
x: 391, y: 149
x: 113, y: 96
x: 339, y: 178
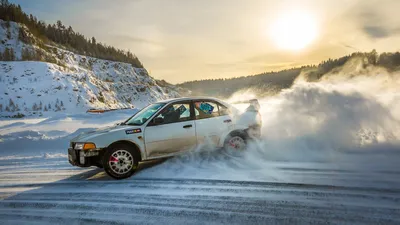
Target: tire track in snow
x: 35, y: 194
x: 190, y: 201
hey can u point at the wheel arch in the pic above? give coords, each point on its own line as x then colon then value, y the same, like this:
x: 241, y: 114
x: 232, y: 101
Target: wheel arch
x: 133, y: 145
x: 226, y: 134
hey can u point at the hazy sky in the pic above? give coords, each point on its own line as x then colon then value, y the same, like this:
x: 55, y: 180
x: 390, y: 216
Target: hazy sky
x: 180, y: 40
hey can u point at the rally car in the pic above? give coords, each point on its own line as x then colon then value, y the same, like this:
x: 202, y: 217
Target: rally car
x: 165, y: 129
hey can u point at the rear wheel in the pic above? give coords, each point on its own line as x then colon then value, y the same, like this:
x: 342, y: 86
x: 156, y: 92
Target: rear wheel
x: 120, y: 161
x: 236, y: 140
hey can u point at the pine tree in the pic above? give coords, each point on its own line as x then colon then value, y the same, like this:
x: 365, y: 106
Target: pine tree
x: 58, y: 108
x: 26, y: 55
x: 60, y: 26
x: 4, y: 2
x: 45, y: 108
x: 34, y: 107
x: 7, y: 55
x: 8, y: 30
x: 11, y: 103
x: 12, y: 55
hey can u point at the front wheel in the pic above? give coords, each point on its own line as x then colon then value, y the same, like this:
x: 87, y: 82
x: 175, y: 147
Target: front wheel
x: 236, y: 140
x: 120, y: 162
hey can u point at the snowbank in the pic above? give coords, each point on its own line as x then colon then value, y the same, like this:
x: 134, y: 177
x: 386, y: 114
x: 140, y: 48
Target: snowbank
x: 72, y: 84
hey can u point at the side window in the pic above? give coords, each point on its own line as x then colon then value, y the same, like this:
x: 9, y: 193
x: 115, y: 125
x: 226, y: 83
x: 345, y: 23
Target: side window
x: 205, y: 109
x: 223, y: 110
x: 174, y: 113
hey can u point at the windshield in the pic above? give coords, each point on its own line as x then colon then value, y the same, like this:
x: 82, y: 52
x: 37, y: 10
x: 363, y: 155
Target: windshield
x: 141, y: 117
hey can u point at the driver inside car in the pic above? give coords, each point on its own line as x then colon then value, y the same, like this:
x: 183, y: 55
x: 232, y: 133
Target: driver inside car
x: 171, y: 115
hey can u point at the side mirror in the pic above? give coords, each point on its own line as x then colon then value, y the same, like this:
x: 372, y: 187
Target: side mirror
x: 158, y: 120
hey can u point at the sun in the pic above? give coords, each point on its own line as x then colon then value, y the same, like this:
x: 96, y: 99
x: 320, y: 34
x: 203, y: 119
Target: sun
x: 294, y: 30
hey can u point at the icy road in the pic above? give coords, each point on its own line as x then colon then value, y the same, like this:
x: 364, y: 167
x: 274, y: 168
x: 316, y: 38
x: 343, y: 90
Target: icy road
x: 50, y: 191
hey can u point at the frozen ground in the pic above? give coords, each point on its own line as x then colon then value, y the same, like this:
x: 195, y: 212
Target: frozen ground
x: 208, y: 188
x: 76, y: 198
x: 330, y: 155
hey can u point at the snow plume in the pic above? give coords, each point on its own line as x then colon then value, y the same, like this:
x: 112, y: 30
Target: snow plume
x: 356, y: 107
x: 347, y: 120
x: 333, y: 115
x: 242, y: 95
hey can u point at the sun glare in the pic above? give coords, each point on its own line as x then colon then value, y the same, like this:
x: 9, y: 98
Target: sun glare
x: 293, y: 31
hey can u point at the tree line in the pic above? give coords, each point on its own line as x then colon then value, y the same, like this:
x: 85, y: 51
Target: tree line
x: 65, y: 36
x: 272, y: 82
x: 7, y: 55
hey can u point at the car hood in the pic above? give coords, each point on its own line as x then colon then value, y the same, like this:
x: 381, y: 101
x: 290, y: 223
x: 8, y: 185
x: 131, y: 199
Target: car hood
x: 85, y: 136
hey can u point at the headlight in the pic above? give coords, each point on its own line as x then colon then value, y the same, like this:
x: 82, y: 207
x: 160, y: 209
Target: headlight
x: 84, y: 146
x: 79, y: 146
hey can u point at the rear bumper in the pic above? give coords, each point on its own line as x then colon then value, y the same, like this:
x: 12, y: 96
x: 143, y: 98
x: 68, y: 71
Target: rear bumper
x: 84, y: 158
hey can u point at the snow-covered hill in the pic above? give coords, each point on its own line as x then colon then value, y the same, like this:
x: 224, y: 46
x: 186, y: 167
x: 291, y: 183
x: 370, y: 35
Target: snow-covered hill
x: 71, y: 82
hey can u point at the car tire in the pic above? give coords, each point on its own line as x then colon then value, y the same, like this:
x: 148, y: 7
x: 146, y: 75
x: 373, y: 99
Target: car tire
x: 120, y: 161
x: 236, y: 140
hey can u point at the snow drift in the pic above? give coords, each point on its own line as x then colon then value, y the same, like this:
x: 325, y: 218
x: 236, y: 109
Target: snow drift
x: 72, y: 83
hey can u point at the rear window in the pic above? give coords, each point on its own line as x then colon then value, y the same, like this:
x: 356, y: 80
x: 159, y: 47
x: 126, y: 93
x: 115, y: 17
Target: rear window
x: 223, y: 110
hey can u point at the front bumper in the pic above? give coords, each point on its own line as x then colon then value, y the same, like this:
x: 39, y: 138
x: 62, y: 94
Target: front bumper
x: 72, y: 156
x: 83, y: 158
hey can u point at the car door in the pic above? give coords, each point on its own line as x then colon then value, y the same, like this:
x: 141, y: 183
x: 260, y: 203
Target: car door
x: 171, y: 131
x: 212, y: 120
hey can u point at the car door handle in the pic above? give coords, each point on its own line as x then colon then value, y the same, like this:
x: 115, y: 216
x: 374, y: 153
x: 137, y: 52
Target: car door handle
x: 227, y: 121
x: 187, y: 126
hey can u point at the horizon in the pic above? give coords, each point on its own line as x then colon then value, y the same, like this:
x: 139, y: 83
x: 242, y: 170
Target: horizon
x: 214, y: 42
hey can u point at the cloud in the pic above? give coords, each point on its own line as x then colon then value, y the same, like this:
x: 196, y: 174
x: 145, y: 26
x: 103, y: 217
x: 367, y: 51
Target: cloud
x: 374, y: 25
x: 136, y: 40
x: 258, y: 64
x: 376, y: 31
x: 374, y: 21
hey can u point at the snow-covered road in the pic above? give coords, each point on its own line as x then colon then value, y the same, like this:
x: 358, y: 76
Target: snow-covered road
x: 50, y: 191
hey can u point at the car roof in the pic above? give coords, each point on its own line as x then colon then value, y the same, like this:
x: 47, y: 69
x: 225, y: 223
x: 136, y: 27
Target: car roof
x: 190, y: 98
